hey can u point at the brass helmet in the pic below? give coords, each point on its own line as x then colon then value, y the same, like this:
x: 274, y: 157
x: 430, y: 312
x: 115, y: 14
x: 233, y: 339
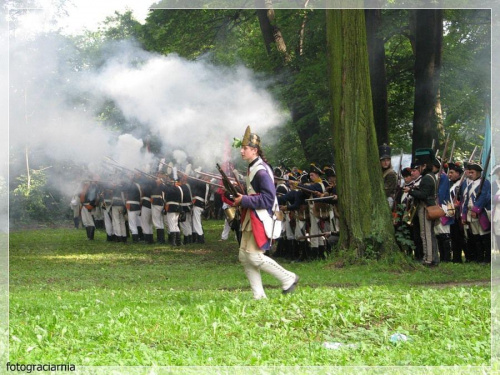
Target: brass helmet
x: 250, y: 139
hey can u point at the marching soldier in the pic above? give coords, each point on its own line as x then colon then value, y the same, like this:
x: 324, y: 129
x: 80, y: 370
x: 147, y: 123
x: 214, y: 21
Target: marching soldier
x: 260, y: 201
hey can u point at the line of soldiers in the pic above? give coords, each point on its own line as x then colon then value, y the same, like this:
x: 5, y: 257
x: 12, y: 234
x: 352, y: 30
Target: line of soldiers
x: 310, y: 215
x: 140, y: 203
x: 461, y: 196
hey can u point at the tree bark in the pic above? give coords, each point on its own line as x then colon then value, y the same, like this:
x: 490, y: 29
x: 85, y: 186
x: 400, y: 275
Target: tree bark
x: 428, y: 49
x: 365, y: 220
x: 378, y: 77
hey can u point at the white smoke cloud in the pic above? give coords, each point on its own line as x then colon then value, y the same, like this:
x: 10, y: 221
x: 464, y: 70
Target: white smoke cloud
x: 190, y: 105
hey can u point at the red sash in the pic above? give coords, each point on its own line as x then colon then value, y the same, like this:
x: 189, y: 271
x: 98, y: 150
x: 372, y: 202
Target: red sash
x: 259, y: 234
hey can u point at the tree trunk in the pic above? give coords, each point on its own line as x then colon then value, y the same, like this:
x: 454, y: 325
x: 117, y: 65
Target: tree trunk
x: 428, y: 46
x: 365, y: 217
x: 304, y: 117
x: 271, y: 32
x: 376, y: 58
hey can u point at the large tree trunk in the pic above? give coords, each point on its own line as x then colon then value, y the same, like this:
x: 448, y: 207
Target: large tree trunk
x: 304, y: 117
x: 376, y: 58
x: 365, y: 221
x: 428, y: 46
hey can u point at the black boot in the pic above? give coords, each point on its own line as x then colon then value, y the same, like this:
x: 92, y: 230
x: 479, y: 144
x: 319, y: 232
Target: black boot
x: 87, y: 229
x: 76, y: 221
x: 92, y: 231
x: 110, y: 238
x: 178, y: 239
x: 135, y: 238
x: 117, y: 238
x: 140, y: 234
x: 439, y: 240
x: 485, y: 246
x: 124, y: 239
x: 314, y: 253
x: 279, y: 248
x: 171, y: 238
x: 160, y: 236
x: 322, y: 252
x: 149, y: 239
x: 201, y: 238
x: 446, y: 253
x: 194, y: 237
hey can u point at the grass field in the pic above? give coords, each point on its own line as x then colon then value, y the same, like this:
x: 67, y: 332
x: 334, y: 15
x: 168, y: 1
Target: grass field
x: 96, y: 303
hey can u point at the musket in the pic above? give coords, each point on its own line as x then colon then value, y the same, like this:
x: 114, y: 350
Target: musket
x: 212, y: 175
x: 199, y: 179
x: 321, y: 198
x: 442, y: 159
x: 451, y: 153
x: 312, y: 236
x: 305, y: 189
x: 238, y: 183
x: 455, y: 201
x: 230, y: 188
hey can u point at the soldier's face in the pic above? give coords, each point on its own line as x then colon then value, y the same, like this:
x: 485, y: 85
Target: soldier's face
x: 453, y: 175
x: 248, y: 153
x: 385, y: 163
x: 415, y: 173
x: 474, y: 175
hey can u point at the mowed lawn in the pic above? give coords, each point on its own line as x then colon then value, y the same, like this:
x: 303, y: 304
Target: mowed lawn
x: 97, y: 303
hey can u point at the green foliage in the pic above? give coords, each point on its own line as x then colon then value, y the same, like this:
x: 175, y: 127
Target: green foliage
x: 402, y: 232
x: 97, y: 303
x: 28, y: 200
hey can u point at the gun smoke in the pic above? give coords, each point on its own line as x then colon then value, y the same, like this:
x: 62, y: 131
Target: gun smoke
x: 62, y: 103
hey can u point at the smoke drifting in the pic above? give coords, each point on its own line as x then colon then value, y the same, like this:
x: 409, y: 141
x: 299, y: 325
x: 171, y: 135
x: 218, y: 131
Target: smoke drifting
x: 193, y: 106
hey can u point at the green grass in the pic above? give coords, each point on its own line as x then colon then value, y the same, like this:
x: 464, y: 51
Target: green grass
x: 98, y: 303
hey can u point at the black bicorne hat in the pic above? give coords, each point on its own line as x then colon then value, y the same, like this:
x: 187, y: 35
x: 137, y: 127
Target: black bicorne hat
x: 456, y: 167
x: 475, y: 166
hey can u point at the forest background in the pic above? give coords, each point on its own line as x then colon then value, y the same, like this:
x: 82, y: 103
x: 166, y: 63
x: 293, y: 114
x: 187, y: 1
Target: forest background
x: 292, y: 68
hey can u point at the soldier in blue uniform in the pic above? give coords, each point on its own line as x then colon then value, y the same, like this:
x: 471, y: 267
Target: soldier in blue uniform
x: 475, y: 209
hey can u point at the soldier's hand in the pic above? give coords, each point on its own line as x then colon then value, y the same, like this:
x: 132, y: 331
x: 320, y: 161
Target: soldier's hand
x: 237, y: 200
